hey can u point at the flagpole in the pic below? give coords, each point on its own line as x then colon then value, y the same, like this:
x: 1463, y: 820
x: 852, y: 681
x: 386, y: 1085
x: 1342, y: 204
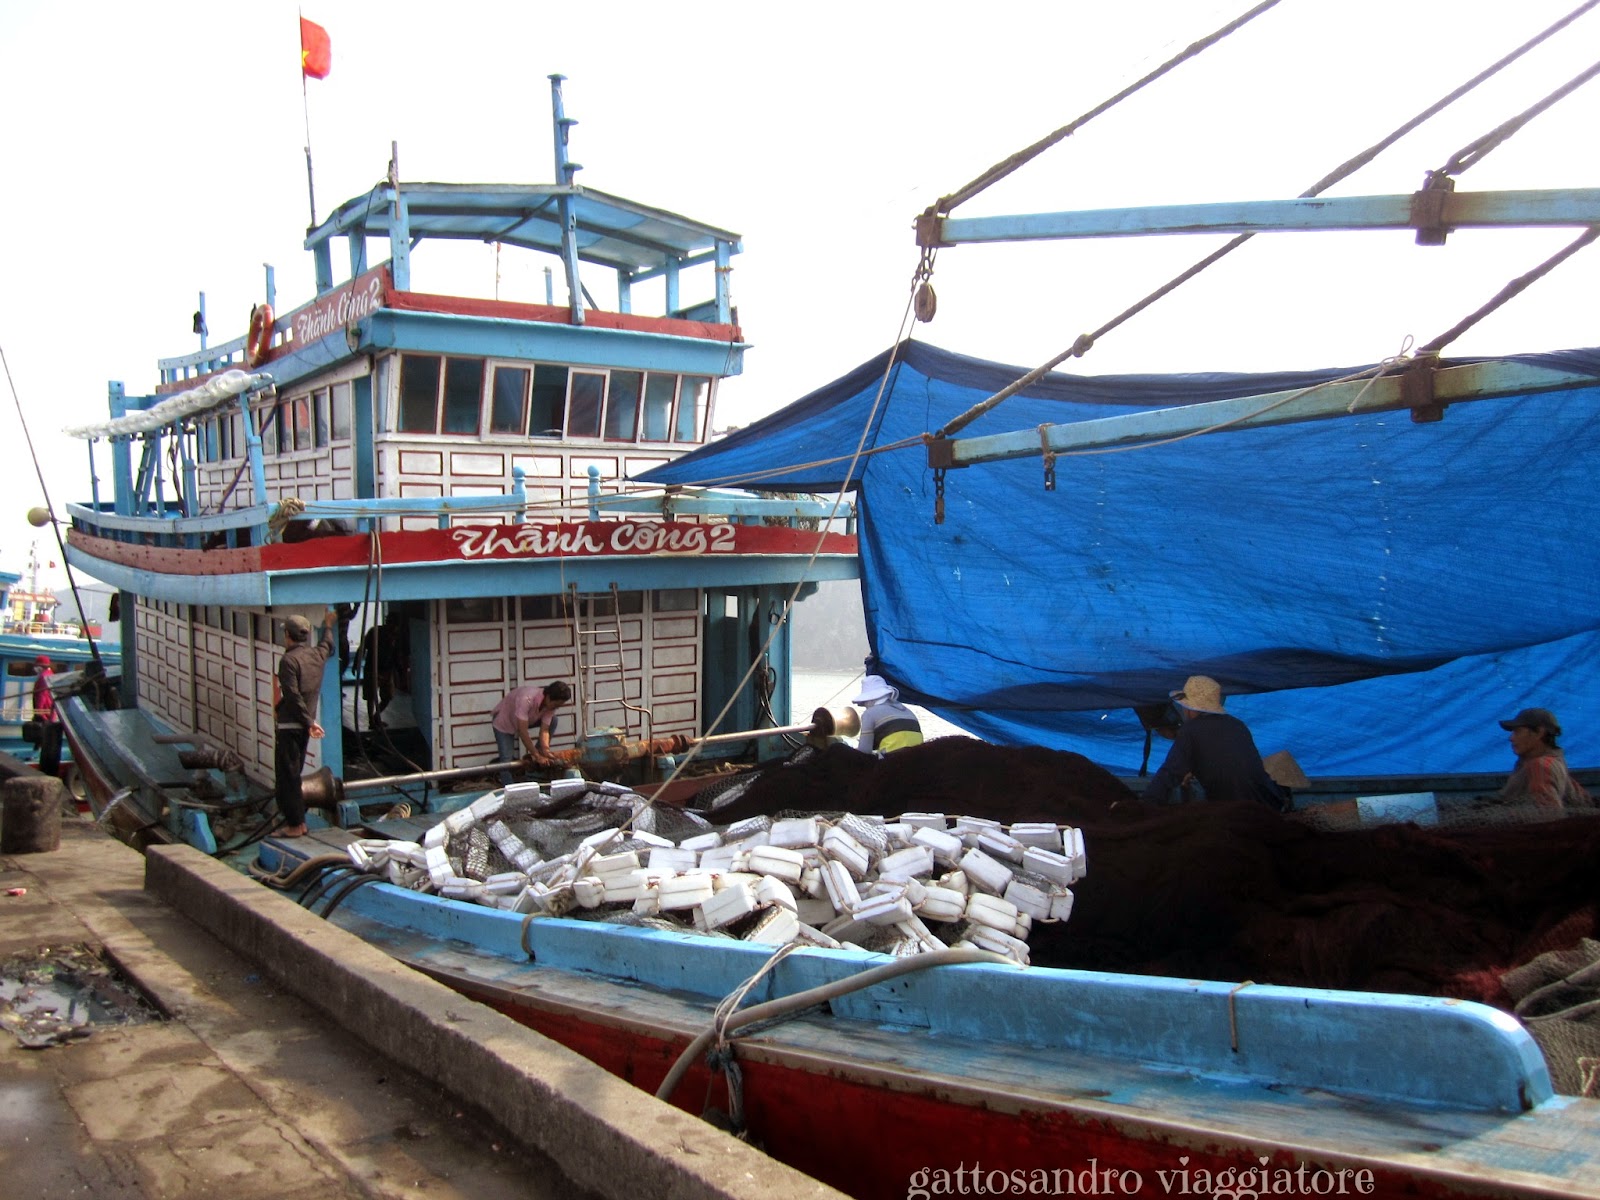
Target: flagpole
x: 305, y: 107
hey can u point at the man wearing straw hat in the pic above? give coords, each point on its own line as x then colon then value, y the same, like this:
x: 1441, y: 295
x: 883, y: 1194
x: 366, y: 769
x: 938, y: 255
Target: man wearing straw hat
x: 1214, y: 749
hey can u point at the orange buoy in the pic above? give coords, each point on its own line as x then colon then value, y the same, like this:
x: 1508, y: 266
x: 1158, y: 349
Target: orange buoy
x: 258, y: 342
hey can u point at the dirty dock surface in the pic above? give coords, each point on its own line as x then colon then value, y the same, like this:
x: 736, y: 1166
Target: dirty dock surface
x: 244, y: 1091
x: 247, y: 1090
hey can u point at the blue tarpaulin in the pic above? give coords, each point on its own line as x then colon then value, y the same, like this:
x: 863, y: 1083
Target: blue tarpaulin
x: 1374, y: 594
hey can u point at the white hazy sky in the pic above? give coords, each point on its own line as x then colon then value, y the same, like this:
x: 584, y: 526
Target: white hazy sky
x: 153, y: 151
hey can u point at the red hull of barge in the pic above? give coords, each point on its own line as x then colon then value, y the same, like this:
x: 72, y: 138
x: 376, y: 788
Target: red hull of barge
x: 877, y: 1134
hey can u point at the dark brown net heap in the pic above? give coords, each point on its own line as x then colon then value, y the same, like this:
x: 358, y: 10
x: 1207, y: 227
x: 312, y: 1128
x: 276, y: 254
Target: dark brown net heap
x: 1233, y: 892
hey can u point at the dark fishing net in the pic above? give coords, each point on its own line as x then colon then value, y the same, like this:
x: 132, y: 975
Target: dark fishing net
x: 1234, y: 891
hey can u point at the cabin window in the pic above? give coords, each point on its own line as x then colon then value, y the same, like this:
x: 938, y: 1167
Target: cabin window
x: 302, y: 422
x: 319, y: 414
x: 588, y: 398
x: 543, y: 608
x: 265, y: 630
x: 547, y: 408
x: 340, y: 414
x: 675, y: 600
x: 472, y: 610
x: 463, y: 396
x: 419, y: 394
x: 692, y: 402
x: 241, y: 625
x: 236, y: 443
x: 658, y: 392
x: 630, y: 602
x: 622, y: 406
x: 508, y: 399
x: 285, y: 431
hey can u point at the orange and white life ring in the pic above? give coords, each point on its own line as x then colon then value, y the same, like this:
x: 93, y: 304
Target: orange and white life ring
x: 258, y: 342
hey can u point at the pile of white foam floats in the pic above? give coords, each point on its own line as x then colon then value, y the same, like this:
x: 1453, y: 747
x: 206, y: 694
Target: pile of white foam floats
x: 863, y: 882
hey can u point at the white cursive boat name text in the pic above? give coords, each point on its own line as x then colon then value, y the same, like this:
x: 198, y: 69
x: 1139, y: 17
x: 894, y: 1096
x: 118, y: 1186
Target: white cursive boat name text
x: 552, y: 539
x: 354, y: 301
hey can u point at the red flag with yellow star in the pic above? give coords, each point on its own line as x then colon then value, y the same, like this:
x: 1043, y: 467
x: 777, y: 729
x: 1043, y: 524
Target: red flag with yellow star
x: 316, y: 50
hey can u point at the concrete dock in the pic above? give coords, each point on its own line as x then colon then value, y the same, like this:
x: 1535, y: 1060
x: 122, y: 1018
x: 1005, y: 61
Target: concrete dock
x: 295, y: 1062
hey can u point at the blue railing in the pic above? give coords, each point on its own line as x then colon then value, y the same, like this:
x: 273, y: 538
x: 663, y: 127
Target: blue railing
x: 262, y: 523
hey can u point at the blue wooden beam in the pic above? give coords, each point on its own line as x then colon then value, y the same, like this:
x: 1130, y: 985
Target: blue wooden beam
x: 1458, y: 210
x: 1452, y: 385
x: 441, y: 333
x: 720, y: 504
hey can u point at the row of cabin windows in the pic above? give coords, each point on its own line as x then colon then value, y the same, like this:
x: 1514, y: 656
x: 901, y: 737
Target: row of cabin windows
x: 474, y: 397
x: 309, y: 422
x: 477, y: 610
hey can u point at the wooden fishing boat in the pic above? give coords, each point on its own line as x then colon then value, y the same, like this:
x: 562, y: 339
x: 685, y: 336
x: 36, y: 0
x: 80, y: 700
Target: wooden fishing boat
x: 395, y: 452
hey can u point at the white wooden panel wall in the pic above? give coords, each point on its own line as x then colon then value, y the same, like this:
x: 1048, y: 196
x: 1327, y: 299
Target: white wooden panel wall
x: 476, y: 664
x: 212, y: 682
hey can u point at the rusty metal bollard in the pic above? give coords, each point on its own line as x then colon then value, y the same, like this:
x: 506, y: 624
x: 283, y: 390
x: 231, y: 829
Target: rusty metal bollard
x: 30, y: 820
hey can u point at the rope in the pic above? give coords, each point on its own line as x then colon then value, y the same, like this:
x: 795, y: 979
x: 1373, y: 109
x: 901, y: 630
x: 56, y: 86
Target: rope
x: 1344, y: 170
x: 721, y: 1055
x: 788, y: 1005
x: 1005, y: 167
x: 49, y: 507
x: 1349, y: 166
x: 1515, y: 287
x: 1371, y: 374
x: 1233, y: 1016
x: 266, y: 422
x: 288, y: 509
x: 816, y: 550
x: 1474, y: 152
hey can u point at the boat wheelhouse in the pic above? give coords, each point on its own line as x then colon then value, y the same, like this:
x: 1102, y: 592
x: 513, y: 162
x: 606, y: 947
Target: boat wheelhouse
x: 456, y: 467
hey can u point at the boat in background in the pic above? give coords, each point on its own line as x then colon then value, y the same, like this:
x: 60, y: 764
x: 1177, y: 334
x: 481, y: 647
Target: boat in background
x: 35, y: 645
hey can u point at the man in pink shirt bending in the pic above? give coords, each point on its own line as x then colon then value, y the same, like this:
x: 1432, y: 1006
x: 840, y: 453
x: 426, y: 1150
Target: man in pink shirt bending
x: 514, y: 717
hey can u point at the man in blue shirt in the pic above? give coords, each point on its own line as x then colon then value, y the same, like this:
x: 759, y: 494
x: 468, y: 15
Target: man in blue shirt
x: 1214, y: 749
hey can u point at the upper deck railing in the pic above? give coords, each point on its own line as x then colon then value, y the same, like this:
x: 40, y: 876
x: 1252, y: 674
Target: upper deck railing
x: 261, y: 524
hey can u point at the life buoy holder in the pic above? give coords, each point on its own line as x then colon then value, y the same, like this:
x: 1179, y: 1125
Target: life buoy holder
x: 258, y: 342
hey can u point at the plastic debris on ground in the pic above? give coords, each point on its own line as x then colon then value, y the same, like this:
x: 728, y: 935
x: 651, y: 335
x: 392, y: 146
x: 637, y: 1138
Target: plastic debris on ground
x: 57, y: 994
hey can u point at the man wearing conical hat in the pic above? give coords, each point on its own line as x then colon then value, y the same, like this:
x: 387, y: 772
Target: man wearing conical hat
x: 1215, y: 750
x: 886, y: 724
